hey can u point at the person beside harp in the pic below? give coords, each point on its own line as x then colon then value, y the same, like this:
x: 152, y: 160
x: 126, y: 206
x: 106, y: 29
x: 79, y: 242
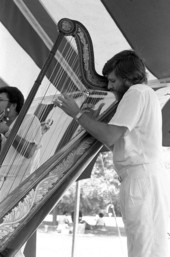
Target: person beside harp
x: 20, y: 158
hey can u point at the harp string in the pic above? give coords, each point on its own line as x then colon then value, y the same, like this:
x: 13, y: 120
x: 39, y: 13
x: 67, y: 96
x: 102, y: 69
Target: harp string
x: 61, y: 115
x: 23, y: 174
x: 22, y: 149
x: 9, y: 172
x: 68, y: 81
x: 69, y: 89
x: 15, y: 168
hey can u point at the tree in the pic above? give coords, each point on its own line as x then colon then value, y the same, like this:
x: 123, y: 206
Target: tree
x: 97, y: 192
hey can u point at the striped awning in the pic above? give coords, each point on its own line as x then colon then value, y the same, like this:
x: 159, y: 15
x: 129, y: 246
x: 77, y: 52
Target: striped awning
x: 32, y: 27
x: 146, y: 26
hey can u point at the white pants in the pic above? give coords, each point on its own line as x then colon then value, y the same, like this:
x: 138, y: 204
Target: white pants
x: 145, y: 210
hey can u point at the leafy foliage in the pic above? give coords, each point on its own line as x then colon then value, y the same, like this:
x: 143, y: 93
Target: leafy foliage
x: 97, y: 192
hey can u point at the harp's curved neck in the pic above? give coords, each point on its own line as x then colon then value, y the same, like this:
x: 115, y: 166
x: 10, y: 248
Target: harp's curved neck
x: 89, y: 76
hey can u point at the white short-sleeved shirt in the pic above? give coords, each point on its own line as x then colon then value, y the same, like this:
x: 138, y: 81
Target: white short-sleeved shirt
x: 139, y: 110
x: 14, y: 162
x: 15, y: 167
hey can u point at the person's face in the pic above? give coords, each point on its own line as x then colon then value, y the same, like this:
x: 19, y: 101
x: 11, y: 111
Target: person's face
x: 115, y: 84
x: 4, y: 101
x: 8, y: 108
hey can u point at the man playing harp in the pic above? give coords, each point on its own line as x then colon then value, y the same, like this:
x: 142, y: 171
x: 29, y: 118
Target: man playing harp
x: 134, y: 134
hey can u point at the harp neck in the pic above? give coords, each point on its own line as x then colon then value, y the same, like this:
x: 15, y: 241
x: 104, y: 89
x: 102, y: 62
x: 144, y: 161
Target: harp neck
x: 89, y: 77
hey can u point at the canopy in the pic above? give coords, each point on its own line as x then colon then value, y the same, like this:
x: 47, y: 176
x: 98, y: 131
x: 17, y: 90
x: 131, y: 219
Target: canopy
x: 31, y: 26
x: 146, y: 26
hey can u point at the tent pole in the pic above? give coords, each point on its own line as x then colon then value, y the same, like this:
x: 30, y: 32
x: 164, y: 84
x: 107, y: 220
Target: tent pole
x: 76, y: 217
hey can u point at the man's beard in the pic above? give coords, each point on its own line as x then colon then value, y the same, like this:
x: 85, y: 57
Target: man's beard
x: 119, y: 94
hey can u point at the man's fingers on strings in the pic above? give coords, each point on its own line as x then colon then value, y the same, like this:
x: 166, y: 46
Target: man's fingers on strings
x: 58, y: 101
x: 66, y: 96
x: 100, y: 107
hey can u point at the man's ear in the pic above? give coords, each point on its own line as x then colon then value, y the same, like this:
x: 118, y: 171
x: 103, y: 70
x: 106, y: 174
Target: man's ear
x: 127, y: 83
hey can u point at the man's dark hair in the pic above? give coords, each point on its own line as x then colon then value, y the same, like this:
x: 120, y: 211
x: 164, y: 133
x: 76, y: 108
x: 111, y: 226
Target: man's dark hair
x: 127, y: 66
x: 14, y: 95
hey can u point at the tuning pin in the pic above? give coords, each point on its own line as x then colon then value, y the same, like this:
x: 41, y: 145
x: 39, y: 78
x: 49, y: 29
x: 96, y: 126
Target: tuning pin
x: 86, y: 93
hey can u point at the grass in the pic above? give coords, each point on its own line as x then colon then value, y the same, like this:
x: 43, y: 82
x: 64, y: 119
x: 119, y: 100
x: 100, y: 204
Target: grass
x: 105, y: 242
x: 107, y: 231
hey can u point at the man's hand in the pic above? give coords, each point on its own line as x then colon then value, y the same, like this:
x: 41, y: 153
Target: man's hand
x: 67, y: 104
x: 45, y: 126
x: 91, y: 112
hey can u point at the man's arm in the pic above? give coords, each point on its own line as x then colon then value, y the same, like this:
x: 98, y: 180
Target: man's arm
x: 105, y: 133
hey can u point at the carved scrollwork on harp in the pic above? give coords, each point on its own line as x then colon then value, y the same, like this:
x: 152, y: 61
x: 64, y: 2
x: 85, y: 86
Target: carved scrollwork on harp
x: 23, y: 209
x: 90, y: 77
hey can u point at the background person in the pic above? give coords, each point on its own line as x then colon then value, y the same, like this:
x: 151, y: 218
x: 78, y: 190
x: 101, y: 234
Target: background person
x: 19, y: 162
x: 63, y: 223
x: 87, y: 226
x: 100, y: 223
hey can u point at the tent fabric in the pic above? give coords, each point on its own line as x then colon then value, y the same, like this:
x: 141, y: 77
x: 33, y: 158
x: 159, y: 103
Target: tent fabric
x: 166, y: 124
x: 33, y: 29
x: 146, y: 26
x: 22, y: 31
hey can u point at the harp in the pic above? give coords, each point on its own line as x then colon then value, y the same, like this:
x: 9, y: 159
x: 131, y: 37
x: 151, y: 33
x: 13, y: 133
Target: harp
x: 66, y: 149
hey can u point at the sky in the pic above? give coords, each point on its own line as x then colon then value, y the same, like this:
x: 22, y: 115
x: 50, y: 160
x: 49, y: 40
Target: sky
x: 18, y: 69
